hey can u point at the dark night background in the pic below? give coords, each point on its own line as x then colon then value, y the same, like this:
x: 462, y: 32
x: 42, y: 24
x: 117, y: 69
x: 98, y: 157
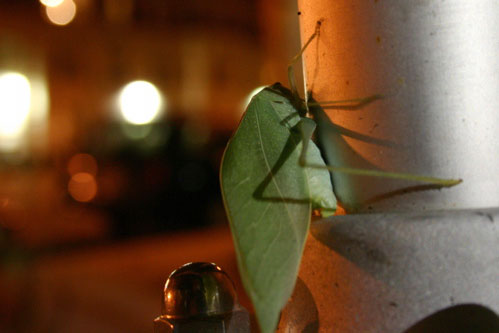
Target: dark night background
x: 96, y: 212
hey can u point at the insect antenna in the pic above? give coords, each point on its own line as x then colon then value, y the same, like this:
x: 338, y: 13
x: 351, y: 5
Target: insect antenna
x: 297, y: 100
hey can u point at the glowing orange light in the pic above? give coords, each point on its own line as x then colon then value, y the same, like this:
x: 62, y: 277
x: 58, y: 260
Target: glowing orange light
x: 82, y: 163
x: 82, y: 187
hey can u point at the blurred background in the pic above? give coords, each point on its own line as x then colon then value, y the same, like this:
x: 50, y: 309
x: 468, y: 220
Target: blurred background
x: 113, y: 119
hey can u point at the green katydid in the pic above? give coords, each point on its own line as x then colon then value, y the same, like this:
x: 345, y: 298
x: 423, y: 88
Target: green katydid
x: 272, y: 178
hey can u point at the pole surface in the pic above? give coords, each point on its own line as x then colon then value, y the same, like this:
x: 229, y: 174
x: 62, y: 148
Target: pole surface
x: 436, y: 64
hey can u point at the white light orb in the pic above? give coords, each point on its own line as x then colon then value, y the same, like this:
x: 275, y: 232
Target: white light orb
x: 140, y: 102
x: 15, y: 101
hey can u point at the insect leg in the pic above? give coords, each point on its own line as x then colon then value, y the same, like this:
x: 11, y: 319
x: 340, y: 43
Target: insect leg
x: 307, y: 127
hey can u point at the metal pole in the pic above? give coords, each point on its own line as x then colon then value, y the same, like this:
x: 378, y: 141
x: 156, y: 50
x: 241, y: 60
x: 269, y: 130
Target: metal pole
x: 427, y: 254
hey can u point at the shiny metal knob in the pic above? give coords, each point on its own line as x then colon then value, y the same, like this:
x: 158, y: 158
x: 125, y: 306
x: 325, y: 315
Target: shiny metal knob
x: 198, y: 290
x: 200, y: 297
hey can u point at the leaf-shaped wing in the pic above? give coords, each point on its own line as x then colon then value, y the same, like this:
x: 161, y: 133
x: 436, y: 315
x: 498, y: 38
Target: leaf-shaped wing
x: 266, y: 197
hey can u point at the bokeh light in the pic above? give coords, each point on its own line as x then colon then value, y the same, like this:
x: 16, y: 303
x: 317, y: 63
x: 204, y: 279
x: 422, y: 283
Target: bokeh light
x: 140, y: 102
x: 61, y: 14
x: 51, y: 3
x: 82, y: 187
x: 15, y: 101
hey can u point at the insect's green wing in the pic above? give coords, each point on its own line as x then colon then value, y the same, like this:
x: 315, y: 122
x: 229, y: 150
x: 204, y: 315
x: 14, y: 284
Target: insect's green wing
x: 267, y: 199
x: 269, y: 228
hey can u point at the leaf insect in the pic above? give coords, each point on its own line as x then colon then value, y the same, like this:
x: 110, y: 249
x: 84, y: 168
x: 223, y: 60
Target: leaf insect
x: 272, y: 177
